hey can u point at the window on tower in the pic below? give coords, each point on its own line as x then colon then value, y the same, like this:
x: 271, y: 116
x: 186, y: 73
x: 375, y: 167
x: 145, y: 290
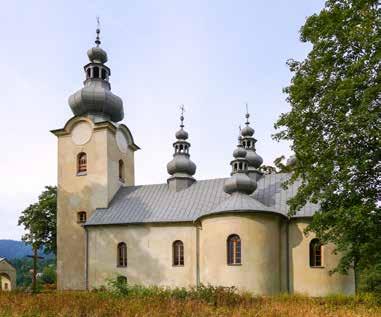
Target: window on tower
x: 96, y: 72
x: 121, y: 171
x: 103, y: 73
x: 88, y: 72
x: 234, y: 250
x: 82, y: 164
x: 178, y: 253
x: 122, y: 255
x: 81, y: 217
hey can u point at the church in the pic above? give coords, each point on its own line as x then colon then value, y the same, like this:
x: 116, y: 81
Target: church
x: 229, y: 231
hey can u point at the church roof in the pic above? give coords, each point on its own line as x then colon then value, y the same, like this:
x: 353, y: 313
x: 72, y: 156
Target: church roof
x: 157, y: 203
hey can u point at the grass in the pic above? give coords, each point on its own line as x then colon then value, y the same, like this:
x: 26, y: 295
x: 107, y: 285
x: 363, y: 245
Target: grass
x: 208, y: 301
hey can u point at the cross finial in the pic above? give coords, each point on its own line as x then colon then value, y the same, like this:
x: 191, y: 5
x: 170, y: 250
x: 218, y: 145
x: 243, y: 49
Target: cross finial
x: 98, y: 30
x: 239, y: 134
x: 247, y: 114
x: 182, y: 109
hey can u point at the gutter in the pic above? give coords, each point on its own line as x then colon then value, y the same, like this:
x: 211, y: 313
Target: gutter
x: 288, y: 256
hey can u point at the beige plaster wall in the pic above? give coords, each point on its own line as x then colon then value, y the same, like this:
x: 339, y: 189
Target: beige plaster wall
x: 314, y: 281
x: 7, y: 275
x: 84, y: 193
x: 149, y: 254
x: 261, y: 270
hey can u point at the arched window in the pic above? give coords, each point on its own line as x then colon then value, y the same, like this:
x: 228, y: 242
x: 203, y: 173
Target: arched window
x: 121, y: 171
x: 178, y: 253
x: 103, y: 72
x: 315, y: 253
x: 122, y: 254
x: 88, y: 72
x: 234, y: 250
x: 81, y: 217
x: 82, y: 163
x: 95, y: 72
x: 121, y: 279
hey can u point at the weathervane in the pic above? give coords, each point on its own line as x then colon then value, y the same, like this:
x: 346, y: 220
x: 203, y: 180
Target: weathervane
x: 97, y: 40
x: 182, y: 108
x: 247, y: 114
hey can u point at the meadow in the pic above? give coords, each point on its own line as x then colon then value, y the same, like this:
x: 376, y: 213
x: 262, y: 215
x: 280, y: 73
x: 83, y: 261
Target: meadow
x: 207, y: 301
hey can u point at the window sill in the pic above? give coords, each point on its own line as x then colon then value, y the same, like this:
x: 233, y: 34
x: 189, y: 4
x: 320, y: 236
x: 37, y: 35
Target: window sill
x: 81, y: 173
x: 121, y: 266
x: 317, y: 267
x: 178, y: 265
x: 231, y: 264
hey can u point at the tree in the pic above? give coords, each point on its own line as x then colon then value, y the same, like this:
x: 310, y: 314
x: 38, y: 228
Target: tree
x: 39, y: 221
x: 279, y: 166
x: 334, y: 126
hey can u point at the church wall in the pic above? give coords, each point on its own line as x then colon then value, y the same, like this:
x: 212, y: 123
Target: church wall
x: 149, y: 254
x: 314, y: 281
x: 261, y: 269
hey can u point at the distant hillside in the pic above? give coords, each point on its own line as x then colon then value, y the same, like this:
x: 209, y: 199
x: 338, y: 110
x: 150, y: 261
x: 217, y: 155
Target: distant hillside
x: 12, y: 249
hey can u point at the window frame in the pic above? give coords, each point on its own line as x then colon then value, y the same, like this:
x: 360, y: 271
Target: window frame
x: 121, y: 256
x: 79, y: 217
x: 178, y: 254
x: 121, y: 171
x: 315, y: 255
x: 234, y: 250
x: 81, y: 167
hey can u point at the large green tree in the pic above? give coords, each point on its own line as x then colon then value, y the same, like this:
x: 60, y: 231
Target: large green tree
x: 39, y: 221
x: 334, y: 126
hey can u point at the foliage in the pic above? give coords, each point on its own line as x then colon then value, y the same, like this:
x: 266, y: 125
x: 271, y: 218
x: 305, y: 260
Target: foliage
x: 103, y: 303
x: 334, y: 126
x: 279, y: 166
x: 39, y: 221
x: 24, y: 266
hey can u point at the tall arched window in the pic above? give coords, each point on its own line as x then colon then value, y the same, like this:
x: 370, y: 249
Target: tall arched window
x: 96, y: 72
x: 82, y: 163
x: 178, y: 253
x: 315, y: 253
x: 234, y: 250
x: 122, y: 254
x: 121, y: 171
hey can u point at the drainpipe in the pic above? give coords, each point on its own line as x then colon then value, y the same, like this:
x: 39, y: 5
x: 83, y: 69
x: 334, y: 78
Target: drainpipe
x: 288, y: 255
x: 87, y: 260
x: 197, y: 256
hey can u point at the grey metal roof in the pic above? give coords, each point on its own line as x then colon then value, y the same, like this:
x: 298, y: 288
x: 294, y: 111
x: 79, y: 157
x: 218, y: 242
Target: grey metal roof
x: 157, y: 203
x: 2, y: 259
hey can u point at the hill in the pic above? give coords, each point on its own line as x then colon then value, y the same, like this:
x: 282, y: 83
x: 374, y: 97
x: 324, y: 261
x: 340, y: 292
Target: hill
x: 12, y: 249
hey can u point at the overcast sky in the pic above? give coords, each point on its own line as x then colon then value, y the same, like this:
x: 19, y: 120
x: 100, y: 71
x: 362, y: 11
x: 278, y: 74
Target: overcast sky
x: 211, y: 56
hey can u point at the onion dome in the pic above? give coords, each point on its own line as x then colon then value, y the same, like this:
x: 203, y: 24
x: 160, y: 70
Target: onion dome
x: 248, y: 142
x: 96, y: 98
x: 181, y: 168
x: 239, y: 182
x: 291, y: 160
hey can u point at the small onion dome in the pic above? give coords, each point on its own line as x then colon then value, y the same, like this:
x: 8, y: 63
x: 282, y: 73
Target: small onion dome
x: 96, y: 97
x: 291, y: 161
x: 181, y: 134
x: 247, y: 131
x: 181, y: 164
x: 97, y: 55
x: 239, y: 152
x: 241, y: 183
x: 254, y: 159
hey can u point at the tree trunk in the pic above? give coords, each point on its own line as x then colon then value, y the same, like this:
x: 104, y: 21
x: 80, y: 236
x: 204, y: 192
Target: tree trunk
x: 34, y: 275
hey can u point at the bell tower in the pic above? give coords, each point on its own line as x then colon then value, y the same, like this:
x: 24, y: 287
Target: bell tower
x: 95, y: 158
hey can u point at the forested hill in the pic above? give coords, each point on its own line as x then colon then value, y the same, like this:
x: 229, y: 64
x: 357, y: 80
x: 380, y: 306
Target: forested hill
x: 12, y: 249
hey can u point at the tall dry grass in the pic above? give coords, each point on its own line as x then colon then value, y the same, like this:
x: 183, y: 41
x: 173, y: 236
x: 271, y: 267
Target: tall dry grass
x: 101, y: 303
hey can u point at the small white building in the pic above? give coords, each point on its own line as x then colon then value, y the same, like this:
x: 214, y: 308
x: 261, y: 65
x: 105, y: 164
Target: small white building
x: 7, y: 275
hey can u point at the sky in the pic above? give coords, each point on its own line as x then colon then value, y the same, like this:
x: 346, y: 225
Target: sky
x: 212, y: 56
